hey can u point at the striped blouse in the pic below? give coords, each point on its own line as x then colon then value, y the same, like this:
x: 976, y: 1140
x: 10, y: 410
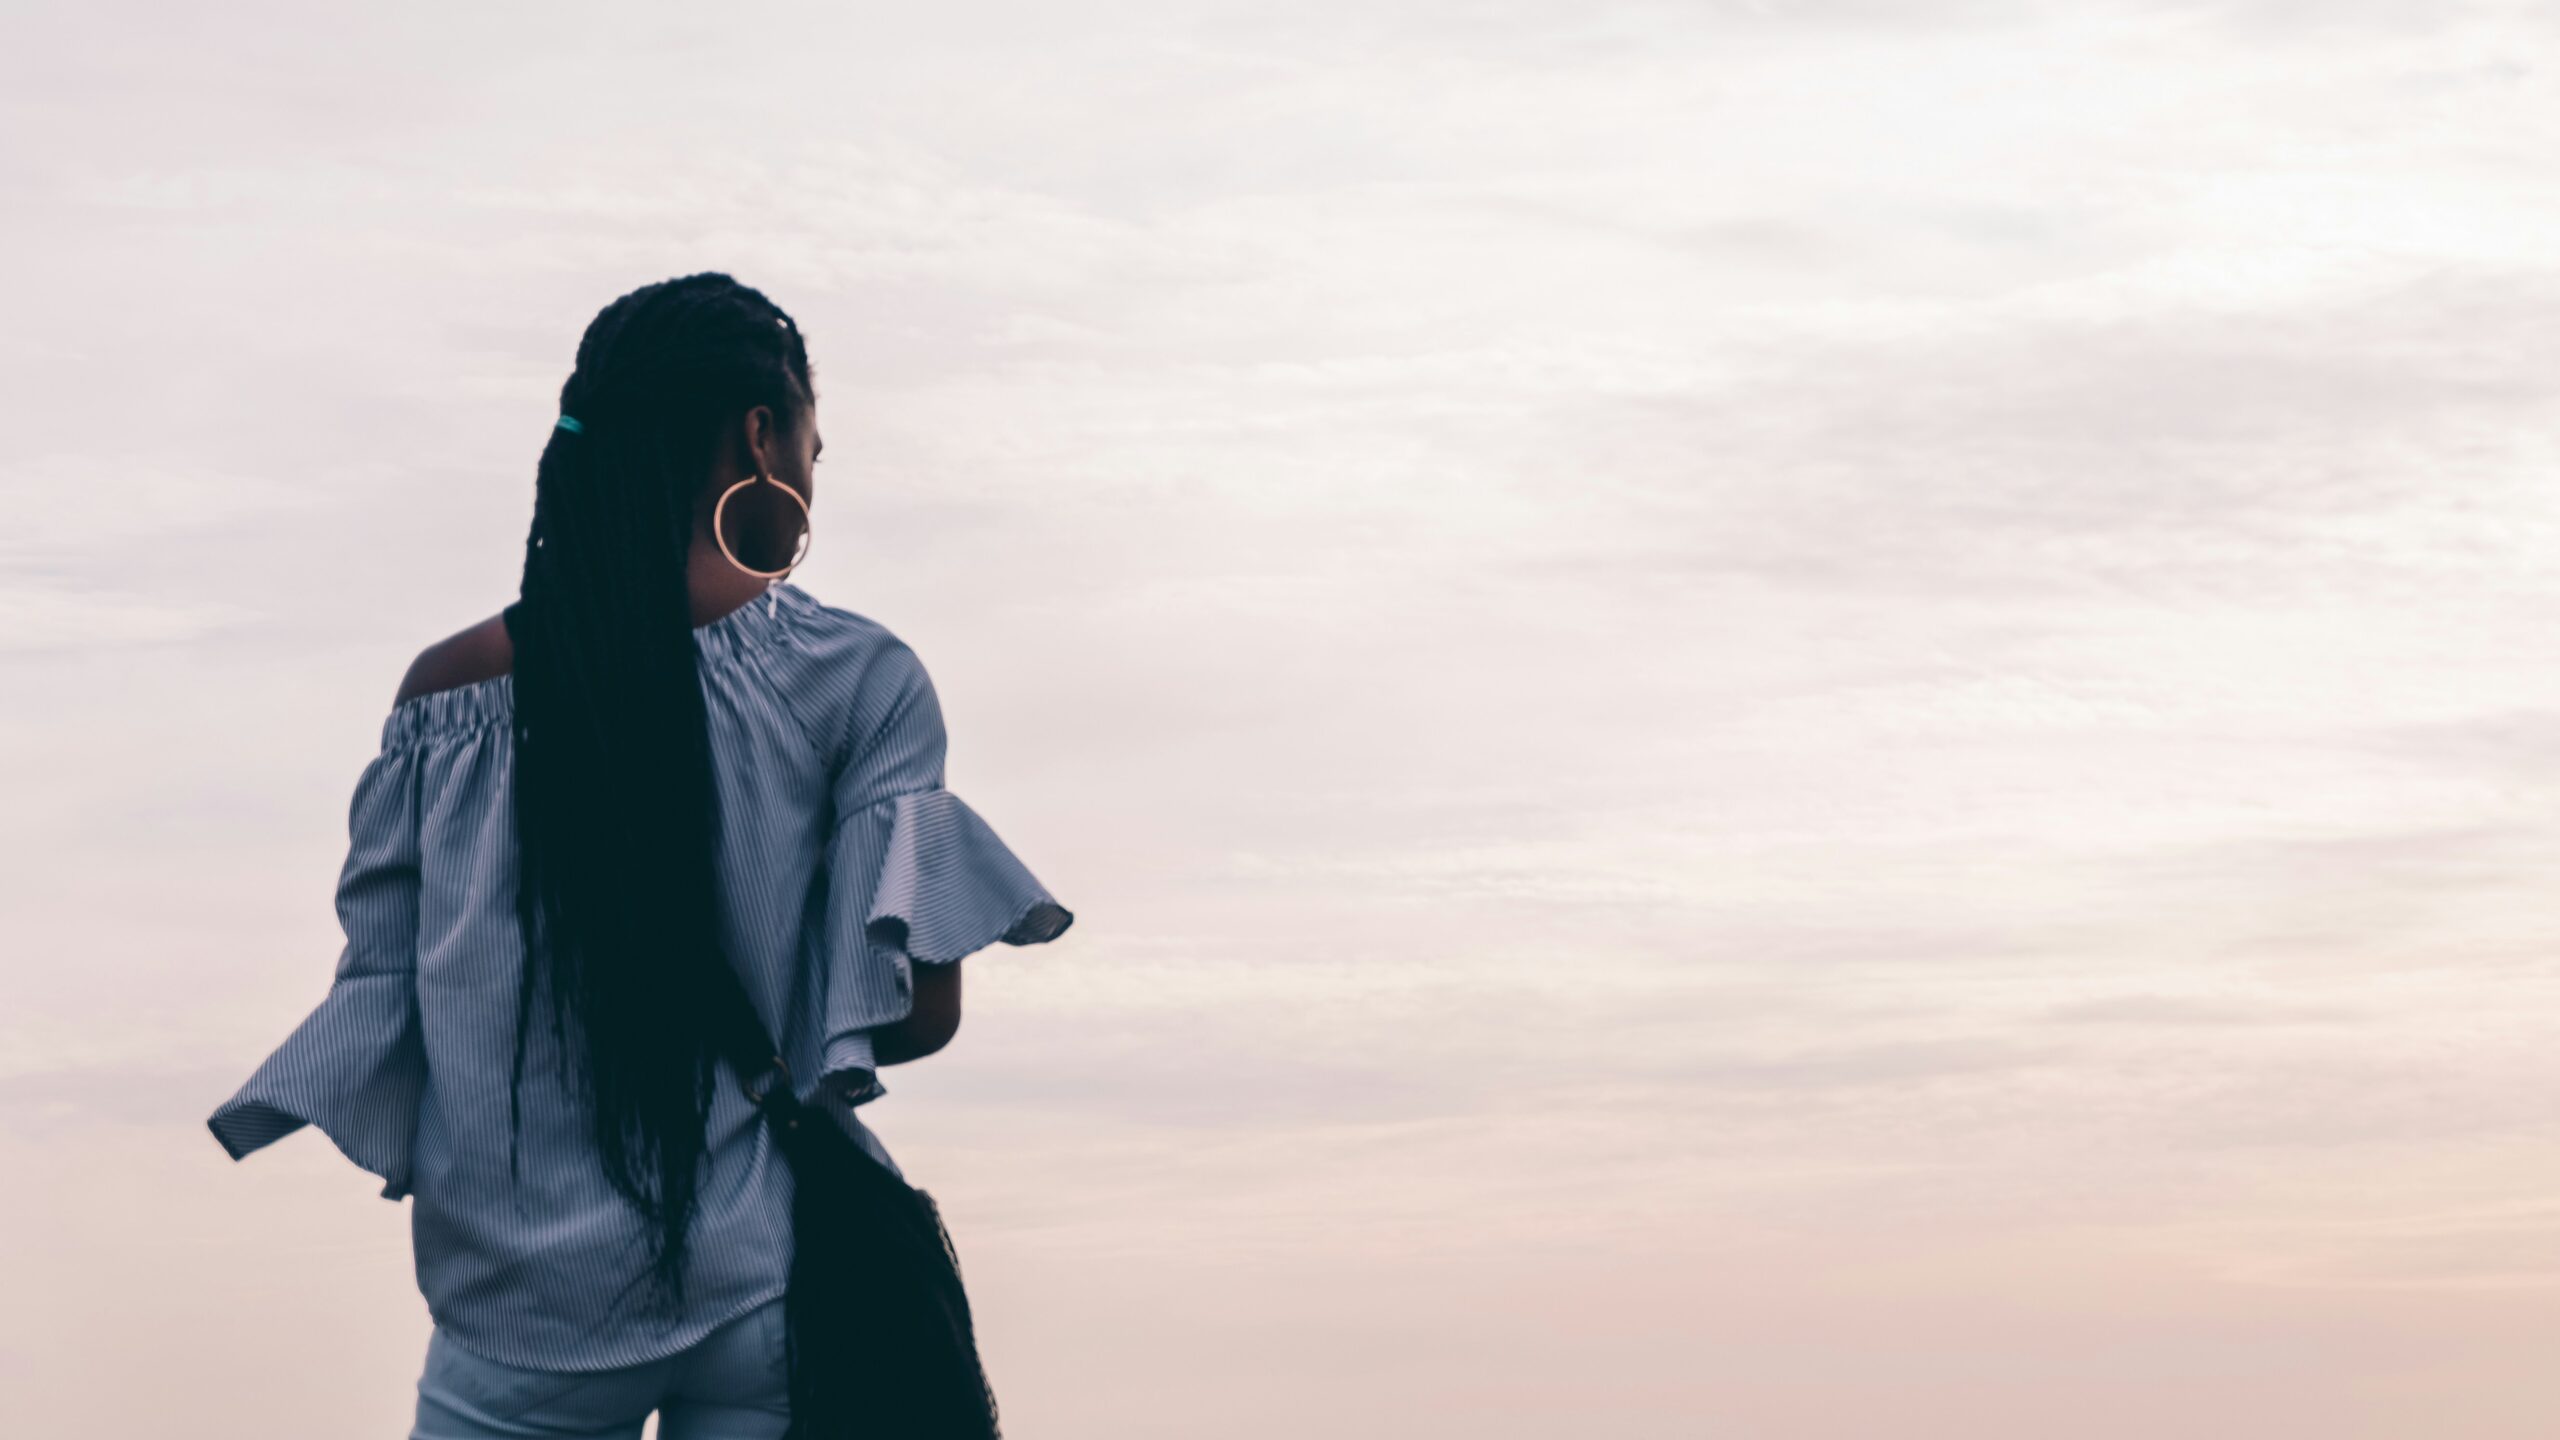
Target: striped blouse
x: 843, y: 863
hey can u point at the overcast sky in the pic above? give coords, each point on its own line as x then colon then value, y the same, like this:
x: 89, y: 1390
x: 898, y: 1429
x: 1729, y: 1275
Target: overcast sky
x: 1767, y: 719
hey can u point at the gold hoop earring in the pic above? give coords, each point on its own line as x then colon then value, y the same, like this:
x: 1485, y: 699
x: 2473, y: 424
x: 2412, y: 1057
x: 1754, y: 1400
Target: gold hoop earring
x: 798, y: 554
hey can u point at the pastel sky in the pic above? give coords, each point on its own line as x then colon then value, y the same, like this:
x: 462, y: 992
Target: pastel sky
x: 1822, y: 720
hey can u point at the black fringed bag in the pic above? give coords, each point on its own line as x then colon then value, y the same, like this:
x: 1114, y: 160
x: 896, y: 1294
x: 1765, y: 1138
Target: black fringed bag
x: 876, y: 1321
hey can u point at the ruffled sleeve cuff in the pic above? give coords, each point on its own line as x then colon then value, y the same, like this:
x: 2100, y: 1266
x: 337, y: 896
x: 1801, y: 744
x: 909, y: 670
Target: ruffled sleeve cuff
x: 916, y: 878
x: 356, y: 1068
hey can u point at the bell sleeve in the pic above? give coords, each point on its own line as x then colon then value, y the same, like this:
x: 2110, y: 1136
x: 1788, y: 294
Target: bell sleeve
x: 356, y: 1066
x: 915, y: 876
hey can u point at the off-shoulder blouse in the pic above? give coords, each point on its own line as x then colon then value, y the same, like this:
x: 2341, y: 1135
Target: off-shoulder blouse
x: 844, y: 862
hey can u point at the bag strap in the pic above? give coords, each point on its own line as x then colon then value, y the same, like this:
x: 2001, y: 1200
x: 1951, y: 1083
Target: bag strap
x: 744, y: 1041
x: 873, y: 1271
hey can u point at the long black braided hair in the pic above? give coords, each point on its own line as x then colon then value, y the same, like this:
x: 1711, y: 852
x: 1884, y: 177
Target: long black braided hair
x: 615, y: 811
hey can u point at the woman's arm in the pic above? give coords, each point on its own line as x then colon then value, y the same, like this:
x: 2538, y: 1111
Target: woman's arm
x: 930, y: 1026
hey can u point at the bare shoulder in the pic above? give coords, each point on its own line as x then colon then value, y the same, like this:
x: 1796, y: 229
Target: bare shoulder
x: 481, y: 652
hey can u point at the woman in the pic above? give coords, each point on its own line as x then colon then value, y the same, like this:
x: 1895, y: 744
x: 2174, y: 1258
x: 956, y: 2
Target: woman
x: 663, y: 757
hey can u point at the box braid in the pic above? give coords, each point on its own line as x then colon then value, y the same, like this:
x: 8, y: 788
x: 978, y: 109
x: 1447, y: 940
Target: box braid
x: 618, y: 901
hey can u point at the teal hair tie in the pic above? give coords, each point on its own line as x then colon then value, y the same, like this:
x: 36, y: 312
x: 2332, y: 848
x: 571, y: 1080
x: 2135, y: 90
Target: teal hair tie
x: 569, y: 424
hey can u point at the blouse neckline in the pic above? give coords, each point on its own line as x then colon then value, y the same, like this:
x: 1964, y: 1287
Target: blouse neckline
x: 486, y: 702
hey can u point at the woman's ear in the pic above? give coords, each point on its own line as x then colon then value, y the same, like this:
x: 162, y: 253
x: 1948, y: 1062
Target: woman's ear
x: 763, y: 441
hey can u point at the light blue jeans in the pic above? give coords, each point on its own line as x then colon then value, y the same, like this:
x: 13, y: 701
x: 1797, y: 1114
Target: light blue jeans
x: 731, y: 1384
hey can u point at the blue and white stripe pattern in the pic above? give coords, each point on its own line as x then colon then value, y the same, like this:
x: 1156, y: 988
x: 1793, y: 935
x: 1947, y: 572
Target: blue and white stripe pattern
x: 843, y: 862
